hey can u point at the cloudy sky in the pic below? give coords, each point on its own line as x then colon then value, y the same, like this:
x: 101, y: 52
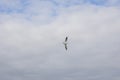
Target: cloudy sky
x: 32, y: 33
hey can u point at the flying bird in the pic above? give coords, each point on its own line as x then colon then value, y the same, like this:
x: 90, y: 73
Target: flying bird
x: 65, y: 43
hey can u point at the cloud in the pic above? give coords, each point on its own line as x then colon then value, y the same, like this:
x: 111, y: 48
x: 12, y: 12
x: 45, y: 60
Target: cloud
x: 31, y: 50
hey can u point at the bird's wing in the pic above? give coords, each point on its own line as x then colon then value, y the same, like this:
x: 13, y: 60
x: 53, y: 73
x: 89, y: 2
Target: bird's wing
x: 66, y: 46
x: 66, y: 39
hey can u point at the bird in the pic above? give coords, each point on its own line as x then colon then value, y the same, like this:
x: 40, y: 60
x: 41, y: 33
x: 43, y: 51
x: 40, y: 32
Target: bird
x: 65, y: 43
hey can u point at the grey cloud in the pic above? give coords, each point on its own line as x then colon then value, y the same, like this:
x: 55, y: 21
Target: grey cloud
x: 30, y: 51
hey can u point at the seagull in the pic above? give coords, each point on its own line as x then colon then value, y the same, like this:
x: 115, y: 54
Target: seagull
x: 65, y: 43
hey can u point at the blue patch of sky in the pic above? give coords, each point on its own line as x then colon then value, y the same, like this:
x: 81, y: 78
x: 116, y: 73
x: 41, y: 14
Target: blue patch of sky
x: 97, y: 2
x: 65, y: 3
x: 56, y: 3
x: 55, y: 9
x: 17, y: 9
x: 69, y: 3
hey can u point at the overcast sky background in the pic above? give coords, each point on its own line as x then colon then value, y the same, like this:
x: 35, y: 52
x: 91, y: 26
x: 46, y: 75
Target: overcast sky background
x: 32, y: 32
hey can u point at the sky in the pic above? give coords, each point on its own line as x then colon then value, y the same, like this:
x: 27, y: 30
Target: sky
x: 32, y: 34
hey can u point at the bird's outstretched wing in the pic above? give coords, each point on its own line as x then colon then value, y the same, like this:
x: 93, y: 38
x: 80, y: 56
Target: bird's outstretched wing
x: 66, y: 46
x: 66, y: 39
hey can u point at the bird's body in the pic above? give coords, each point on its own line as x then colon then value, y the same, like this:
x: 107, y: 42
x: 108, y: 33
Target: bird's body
x: 65, y: 43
